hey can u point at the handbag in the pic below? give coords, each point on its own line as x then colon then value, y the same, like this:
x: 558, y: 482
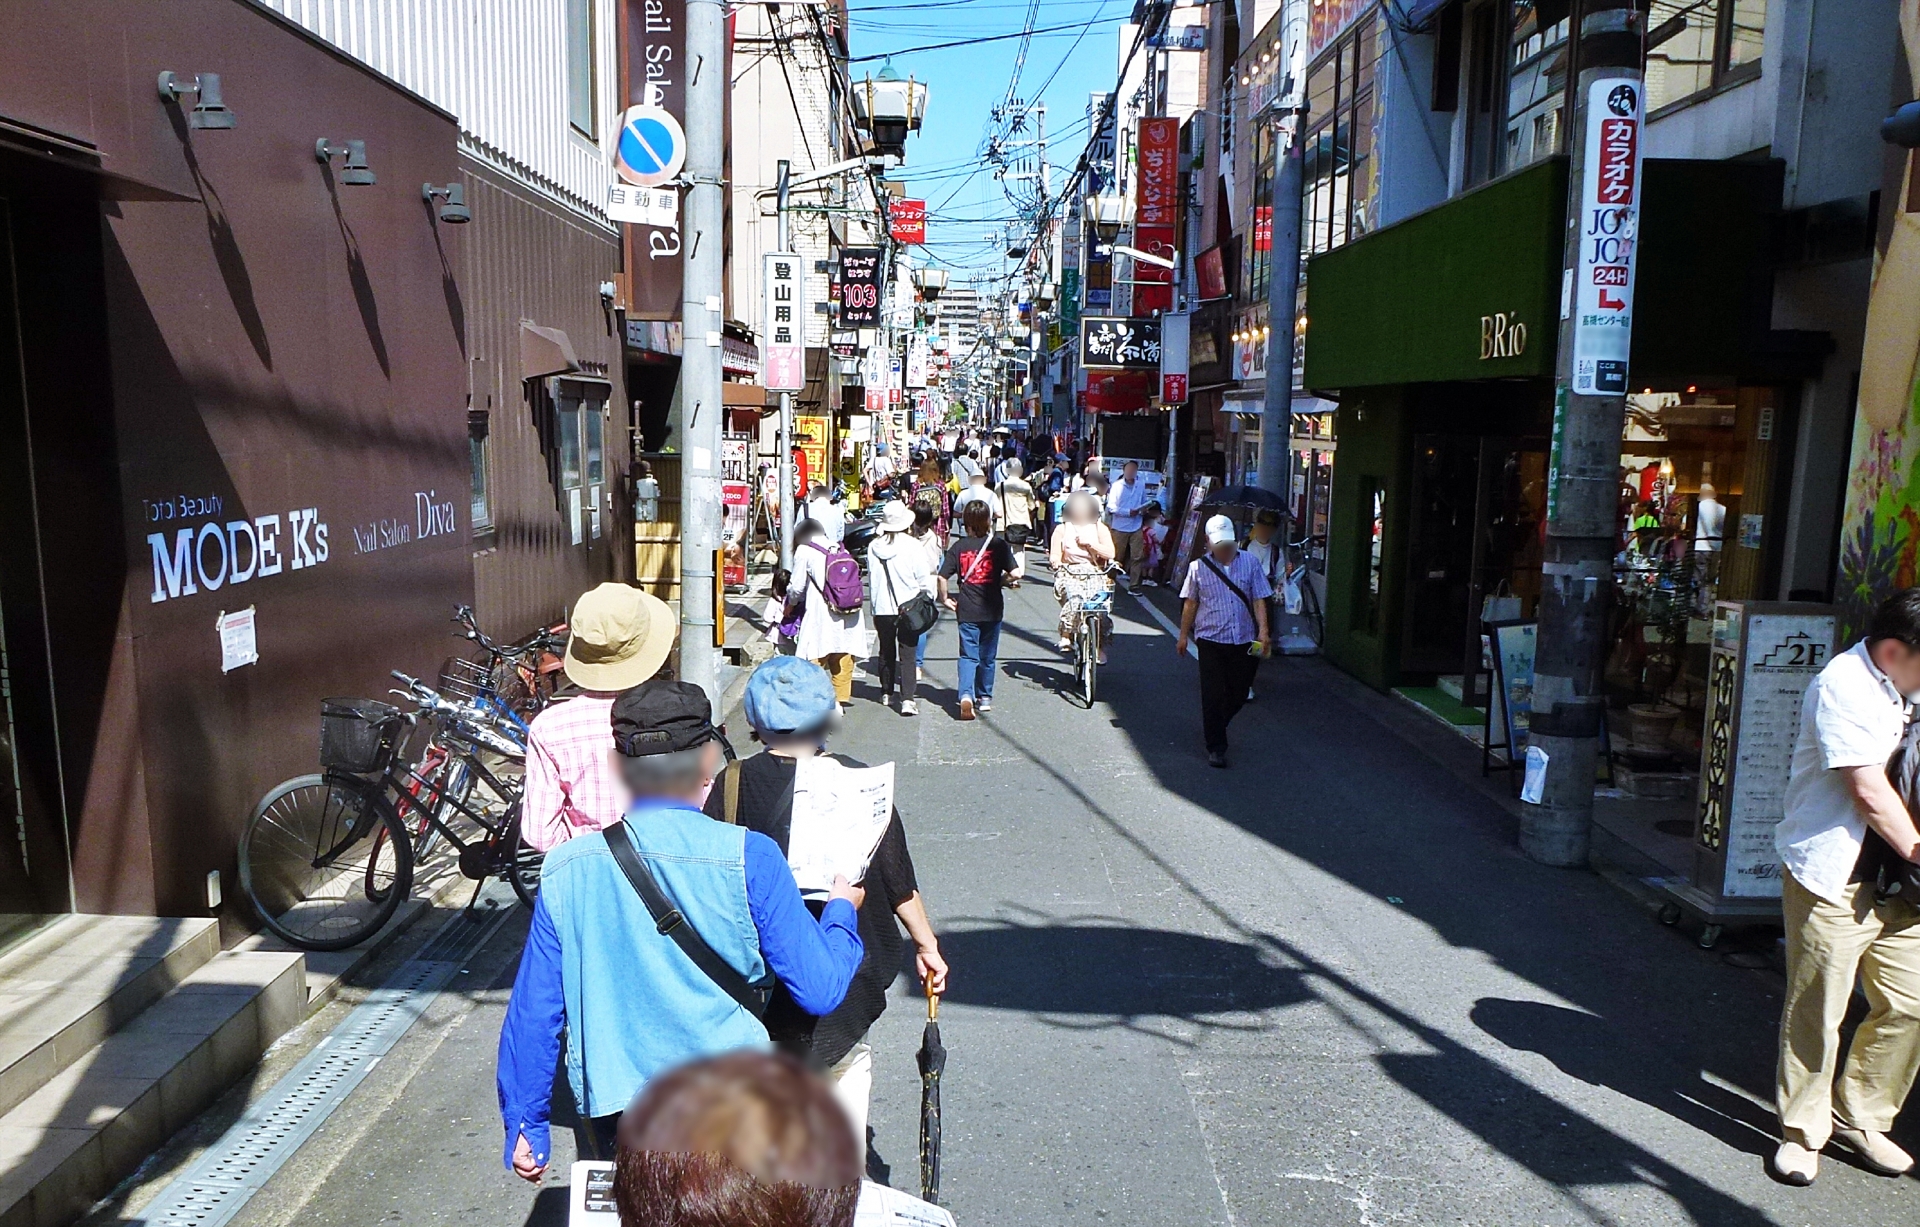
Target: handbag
x: 1893, y: 876
x: 916, y: 617
x: 671, y: 922
x: 1500, y: 605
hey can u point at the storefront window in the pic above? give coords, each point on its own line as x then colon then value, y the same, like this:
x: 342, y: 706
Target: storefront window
x: 1260, y: 248
x: 1696, y: 469
x: 567, y: 434
x: 477, y: 456
x: 1374, y: 503
x: 1694, y: 46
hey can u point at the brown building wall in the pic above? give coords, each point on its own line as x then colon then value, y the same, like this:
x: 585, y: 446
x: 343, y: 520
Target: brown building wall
x: 530, y: 259
x: 276, y: 351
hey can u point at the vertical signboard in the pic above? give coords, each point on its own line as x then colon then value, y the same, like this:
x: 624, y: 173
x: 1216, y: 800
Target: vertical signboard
x: 1609, y: 222
x: 919, y: 357
x: 783, y: 323
x: 1174, y: 335
x: 860, y: 273
x: 1102, y: 145
x: 1762, y: 658
x: 1156, y: 212
x: 656, y: 78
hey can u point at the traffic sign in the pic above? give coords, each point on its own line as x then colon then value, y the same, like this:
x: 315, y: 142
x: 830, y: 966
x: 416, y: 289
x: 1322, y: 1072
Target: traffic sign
x: 650, y: 147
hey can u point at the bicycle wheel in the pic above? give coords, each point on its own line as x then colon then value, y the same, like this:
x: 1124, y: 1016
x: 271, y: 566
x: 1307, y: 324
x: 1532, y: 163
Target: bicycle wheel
x: 1089, y: 656
x: 523, y: 870
x: 325, y: 861
x: 1310, y: 606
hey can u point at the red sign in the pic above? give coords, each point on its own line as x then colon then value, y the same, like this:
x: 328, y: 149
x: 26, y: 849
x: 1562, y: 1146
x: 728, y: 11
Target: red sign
x: 1212, y: 269
x: 1159, y: 179
x: 907, y: 221
x: 1329, y: 19
x: 1614, y: 175
x: 1263, y: 228
x: 1119, y: 391
x: 1173, y: 389
x: 1153, y: 284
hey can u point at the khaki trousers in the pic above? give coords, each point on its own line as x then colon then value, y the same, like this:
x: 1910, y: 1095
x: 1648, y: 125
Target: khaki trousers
x: 852, y: 1079
x: 839, y: 667
x: 1826, y: 945
x: 1130, y: 554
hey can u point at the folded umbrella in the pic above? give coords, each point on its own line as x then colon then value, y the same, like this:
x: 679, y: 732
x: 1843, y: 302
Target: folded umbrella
x: 933, y: 1062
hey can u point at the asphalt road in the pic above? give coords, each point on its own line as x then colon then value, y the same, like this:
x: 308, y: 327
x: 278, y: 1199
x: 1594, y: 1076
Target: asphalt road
x: 1321, y: 987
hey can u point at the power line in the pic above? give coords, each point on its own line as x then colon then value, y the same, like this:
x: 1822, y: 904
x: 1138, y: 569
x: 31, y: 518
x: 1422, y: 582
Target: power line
x: 970, y: 42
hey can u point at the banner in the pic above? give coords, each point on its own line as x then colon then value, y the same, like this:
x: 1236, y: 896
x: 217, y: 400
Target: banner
x: 907, y: 221
x: 783, y: 323
x: 918, y: 357
x: 1120, y: 344
x: 860, y: 271
x: 1609, y: 222
x: 656, y: 55
x: 1157, y: 213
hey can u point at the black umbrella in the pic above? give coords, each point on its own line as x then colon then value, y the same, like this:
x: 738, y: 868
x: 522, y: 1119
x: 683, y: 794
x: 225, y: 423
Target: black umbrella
x: 933, y: 1062
x: 1245, y: 496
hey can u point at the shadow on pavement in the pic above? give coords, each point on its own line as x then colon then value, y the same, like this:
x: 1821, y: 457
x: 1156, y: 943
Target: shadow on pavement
x: 550, y: 1206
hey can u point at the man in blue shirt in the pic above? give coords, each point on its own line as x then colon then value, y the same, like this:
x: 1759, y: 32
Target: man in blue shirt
x: 630, y: 1001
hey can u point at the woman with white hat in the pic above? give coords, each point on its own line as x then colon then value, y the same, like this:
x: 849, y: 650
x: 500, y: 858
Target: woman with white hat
x: 898, y: 570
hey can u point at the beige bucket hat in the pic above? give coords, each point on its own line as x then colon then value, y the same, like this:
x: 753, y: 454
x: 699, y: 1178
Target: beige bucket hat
x: 618, y: 637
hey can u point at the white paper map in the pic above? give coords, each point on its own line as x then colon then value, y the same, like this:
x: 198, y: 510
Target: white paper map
x: 881, y: 1206
x: 839, y: 815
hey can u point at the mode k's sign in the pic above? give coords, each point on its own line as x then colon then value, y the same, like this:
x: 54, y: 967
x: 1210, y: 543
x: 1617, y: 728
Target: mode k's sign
x: 656, y: 76
x: 1609, y: 226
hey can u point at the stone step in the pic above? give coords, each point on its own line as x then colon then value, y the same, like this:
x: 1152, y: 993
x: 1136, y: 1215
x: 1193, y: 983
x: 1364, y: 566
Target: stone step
x: 91, y: 1124
x: 70, y: 985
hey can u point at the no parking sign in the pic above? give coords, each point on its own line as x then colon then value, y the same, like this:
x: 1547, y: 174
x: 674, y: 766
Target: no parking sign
x: 650, y: 147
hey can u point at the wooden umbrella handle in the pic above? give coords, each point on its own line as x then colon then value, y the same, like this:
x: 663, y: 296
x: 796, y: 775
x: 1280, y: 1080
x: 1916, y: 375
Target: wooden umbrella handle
x: 933, y: 1000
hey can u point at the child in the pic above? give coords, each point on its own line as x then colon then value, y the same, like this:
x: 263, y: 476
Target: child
x: 1153, y: 534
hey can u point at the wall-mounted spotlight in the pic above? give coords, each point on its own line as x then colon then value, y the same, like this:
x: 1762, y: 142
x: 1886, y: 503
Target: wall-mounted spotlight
x: 454, y: 212
x: 209, y: 109
x: 354, y: 172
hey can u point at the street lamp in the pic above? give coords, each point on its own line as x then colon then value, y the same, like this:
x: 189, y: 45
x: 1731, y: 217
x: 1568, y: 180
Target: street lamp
x: 888, y: 109
x: 1106, y: 214
x: 930, y: 281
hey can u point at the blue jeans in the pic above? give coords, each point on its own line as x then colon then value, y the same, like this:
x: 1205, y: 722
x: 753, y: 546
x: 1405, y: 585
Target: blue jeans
x: 920, y: 652
x: 979, y: 653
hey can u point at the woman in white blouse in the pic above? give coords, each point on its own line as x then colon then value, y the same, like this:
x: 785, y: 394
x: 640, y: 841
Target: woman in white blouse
x: 829, y: 639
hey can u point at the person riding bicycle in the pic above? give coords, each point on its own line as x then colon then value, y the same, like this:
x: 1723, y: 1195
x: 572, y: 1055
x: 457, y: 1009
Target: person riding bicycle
x: 1080, y: 553
x: 620, y: 638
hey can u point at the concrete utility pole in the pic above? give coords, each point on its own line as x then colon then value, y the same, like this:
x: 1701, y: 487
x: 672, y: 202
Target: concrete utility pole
x: 786, y: 398
x: 702, y: 315
x: 1283, y: 295
x: 1590, y: 402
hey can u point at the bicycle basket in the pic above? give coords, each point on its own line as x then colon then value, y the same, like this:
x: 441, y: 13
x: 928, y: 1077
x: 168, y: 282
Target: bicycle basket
x: 464, y: 679
x: 1085, y: 589
x: 358, y: 735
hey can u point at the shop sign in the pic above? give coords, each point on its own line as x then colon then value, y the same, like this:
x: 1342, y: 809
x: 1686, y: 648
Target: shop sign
x: 1502, y: 335
x: 1329, y: 20
x: 919, y: 357
x: 1609, y: 224
x: 657, y: 102
x: 1117, y: 343
x: 1211, y: 267
x: 1158, y: 198
x: 1103, y: 145
x: 1175, y: 331
x: 217, y: 554
x: 783, y: 322
x: 1070, y: 300
x: 1180, y: 38
x: 860, y: 269
x: 907, y: 221
x: 1263, y: 228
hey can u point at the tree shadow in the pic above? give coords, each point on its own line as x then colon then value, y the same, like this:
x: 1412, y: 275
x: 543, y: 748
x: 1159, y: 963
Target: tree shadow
x: 363, y: 295
x: 226, y: 248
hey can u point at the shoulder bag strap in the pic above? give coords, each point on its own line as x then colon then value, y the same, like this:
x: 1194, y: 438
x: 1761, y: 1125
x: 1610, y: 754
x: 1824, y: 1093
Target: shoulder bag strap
x: 1237, y: 590
x: 730, y: 794
x: 671, y: 922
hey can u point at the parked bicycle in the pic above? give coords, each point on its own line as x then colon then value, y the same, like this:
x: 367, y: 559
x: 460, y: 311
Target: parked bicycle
x: 327, y: 859
x: 1088, y: 604
x: 1298, y: 578
x: 522, y: 674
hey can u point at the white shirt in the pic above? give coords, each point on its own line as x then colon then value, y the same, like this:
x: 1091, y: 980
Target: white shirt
x: 822, y: 631
x: 1852, y: 716
x: 830, y: 516
x: 1124, y: 502
x: 898, y: 569
x: 1709, y: 524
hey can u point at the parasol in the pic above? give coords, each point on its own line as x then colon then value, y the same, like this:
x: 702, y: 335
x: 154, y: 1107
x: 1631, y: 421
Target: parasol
x: 1245, y: 496
x: 933, y: 1062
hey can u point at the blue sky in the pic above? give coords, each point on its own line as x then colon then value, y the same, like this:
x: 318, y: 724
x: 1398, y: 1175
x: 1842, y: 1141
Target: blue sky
x: 966, y: 83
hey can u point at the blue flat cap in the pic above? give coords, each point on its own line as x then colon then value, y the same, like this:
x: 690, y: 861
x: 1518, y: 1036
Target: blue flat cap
x: 789, y: 695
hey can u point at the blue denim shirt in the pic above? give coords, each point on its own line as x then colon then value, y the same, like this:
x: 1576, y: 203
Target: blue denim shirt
x: 631, y: 1002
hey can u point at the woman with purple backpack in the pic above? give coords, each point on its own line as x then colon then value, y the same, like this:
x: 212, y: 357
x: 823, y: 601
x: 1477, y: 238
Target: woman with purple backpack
x: 826, y: 593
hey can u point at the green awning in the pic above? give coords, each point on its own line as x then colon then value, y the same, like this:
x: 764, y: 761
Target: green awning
x: 1436, y: 297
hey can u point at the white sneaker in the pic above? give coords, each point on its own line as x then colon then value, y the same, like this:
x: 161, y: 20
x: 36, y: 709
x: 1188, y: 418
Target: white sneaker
x: 909, y: 708
x: 1795, y: 1164
x: 1878, y: 1152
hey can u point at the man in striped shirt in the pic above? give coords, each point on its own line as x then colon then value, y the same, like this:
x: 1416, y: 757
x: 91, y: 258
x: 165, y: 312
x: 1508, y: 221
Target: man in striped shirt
x: 1224, y: 614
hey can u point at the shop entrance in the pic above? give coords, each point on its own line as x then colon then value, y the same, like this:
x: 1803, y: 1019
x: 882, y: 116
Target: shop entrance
x: 1479, y: 506
x: 34, y: 849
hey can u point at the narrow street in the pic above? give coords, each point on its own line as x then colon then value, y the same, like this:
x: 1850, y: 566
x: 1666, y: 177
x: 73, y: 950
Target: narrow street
x: 1318, y: 988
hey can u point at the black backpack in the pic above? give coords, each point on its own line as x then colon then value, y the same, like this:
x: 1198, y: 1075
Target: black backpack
x: 1894, y: 876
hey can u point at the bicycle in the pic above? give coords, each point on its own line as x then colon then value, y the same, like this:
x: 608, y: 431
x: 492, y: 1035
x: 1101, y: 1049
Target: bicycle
x: 522, y: 674
x: 1298, y: 555
x: 326, y: 859
x: 1088, y: 602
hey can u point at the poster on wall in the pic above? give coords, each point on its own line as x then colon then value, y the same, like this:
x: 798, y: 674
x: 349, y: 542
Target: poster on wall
x: 1609, y: 225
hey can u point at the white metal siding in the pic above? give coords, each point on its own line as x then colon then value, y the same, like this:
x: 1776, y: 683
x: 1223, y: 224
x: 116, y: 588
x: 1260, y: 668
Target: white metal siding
x: 499, y: 65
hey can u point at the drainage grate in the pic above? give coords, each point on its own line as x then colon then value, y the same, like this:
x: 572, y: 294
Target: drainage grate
x: 211, y: 1192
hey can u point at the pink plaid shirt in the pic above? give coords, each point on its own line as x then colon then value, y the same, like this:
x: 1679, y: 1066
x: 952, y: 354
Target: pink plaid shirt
x: 571, y: 785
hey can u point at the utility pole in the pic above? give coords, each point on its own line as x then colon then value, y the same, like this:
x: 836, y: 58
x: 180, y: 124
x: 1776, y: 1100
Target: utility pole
x: 784, y: 174
x: 702, y: 317
x: 1283, y: 260
x: 1590, y: 401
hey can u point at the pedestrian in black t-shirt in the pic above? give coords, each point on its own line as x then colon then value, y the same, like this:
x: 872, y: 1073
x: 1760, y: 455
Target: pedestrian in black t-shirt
x: 791, y: 705
x: 981, y: 562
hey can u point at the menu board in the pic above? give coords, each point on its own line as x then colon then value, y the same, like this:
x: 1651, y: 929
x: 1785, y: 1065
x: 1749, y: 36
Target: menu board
x: 1780, y: 655
x: 1513, y: 650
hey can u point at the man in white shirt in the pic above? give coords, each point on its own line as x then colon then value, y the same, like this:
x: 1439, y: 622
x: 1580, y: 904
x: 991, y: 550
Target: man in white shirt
x: 1851, y: 720
x: 1124, y: 502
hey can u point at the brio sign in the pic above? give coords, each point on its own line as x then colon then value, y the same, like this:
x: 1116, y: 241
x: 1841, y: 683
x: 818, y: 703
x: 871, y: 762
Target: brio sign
x: 1502, y: 335
x: 215, y: 555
